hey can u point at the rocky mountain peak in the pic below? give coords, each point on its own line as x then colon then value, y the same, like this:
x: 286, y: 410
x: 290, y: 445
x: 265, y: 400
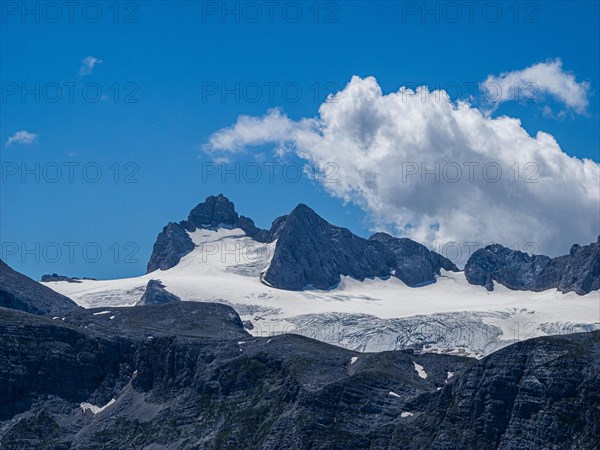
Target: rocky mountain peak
x: 216, y: 211
x: 312, y: 253
x: 213, y: 212
x: 579, y: 271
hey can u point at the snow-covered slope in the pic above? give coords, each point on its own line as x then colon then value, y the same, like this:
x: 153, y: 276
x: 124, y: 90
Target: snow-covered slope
x: 449, y: 316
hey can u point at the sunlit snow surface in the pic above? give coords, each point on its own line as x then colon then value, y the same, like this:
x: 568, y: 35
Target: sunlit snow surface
x: 449, y: 316
x: 95, y: 409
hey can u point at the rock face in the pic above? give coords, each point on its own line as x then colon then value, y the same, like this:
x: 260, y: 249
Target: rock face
x: 156, y: 294
x: 312, y: 253
x: 213, y: 212
x: 414, y: 263
x: 512, y: 268
x: 171, y: 244
x: 220, y: 212
x: 18, y: 291
x: 579, y: 271
x: 55, y: 277
x: 582, y: 269
x: 541, y: 393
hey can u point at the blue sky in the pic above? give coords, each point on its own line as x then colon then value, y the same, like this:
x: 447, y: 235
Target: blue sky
x: 163, y: 69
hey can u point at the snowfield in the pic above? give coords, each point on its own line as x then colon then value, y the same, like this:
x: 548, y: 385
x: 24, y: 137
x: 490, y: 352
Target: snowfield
x: 449, y: 316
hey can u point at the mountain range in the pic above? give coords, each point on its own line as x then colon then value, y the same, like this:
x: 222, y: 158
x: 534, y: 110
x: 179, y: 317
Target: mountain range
x: 311, y: 253
x: 307, y: 276
x: 188, y: 375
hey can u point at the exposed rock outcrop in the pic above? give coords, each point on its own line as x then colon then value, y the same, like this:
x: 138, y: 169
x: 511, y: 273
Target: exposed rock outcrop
x: 219, y: 211
x: 174, y: 242
x: 540, y: 393
x: 55, y: 277
x: 18, y: 291
x: 156, y: 294
x: 511, y: 268
x: 312, y: 253
x: 579, y: 271
x: 414, y: 263
x: 171, y: 245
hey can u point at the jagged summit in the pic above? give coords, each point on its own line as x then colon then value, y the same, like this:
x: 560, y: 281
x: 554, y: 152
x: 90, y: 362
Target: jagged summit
x: 213, y: 212
x: 219, y: 212
x: 174, y: 241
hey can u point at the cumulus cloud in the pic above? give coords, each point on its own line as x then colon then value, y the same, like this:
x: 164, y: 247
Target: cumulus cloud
x: 88, y: 64
x: 535, y: 82
x: 22, y: 137
x: 436, y: 171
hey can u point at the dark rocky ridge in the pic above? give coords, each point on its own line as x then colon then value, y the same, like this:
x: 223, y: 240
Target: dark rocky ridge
x: 414, y: 263
x: 18, y: 291
x: 579, y: 271
x: 540, y: 393
x: 55, y: 277
x: 310, y: 252
x: 582, y: 269
x: 171, y: 244
x: 156, y: 294
x: 186, y: 375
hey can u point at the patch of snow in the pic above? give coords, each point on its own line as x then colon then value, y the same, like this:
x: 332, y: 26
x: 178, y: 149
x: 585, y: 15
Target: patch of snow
x: 438, y: 389
x: 406, y: 414
x: 101, y: 313
x: 393, y: 394
x: 95, y: 409
x: 241, y: 342
x: 450, y: 375
x: 353, y: 359
x: 420, y: 370
x: 112, y: 317
x: 54, y: 318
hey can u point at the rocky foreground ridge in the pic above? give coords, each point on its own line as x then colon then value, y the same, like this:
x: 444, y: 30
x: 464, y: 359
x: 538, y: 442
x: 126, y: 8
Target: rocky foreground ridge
x: 186, y: 375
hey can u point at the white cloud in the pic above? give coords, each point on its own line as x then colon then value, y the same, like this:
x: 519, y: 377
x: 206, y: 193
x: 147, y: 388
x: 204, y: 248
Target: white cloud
x: 22, y: 137
x: 377, y: 141
x: 252, y: 131
x: 88, y: 64
x: 534, y: 82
